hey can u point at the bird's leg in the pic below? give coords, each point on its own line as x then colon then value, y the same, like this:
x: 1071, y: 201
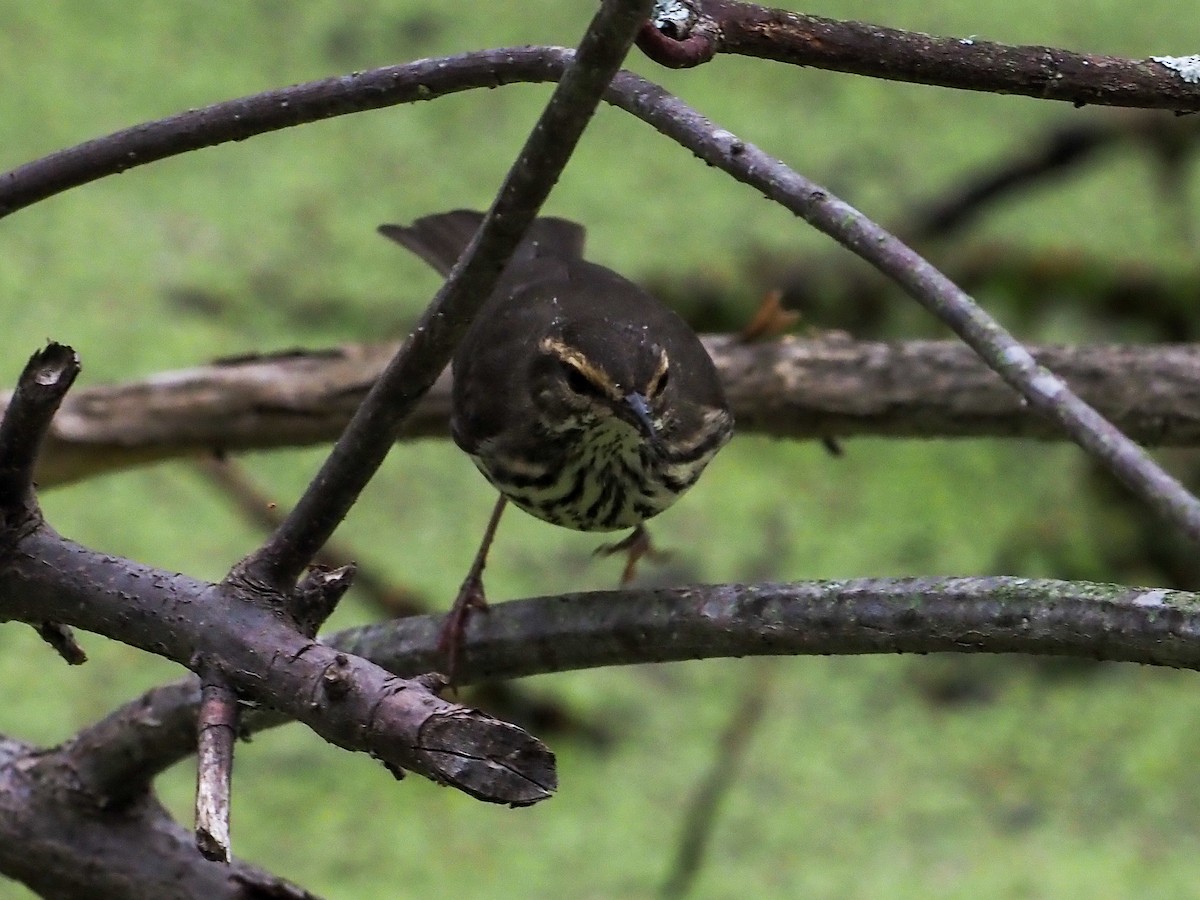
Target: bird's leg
x: 470, y: 597
x: 636, y: 544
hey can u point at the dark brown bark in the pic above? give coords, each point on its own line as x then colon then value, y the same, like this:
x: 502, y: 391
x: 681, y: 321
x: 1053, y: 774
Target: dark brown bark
x: 605, y: 628
x: 267, y: 659
x: 866, y: 615
x: 250, y: 636
x: 60, y: 842
x: 859, y: 48
x: 240, y: 635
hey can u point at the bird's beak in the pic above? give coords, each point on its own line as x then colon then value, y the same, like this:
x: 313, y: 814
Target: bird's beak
x: 640, y: 407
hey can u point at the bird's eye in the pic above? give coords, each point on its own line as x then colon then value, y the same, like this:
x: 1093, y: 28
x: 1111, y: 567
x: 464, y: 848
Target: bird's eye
x: 661, y: 384
x: 578, y: 382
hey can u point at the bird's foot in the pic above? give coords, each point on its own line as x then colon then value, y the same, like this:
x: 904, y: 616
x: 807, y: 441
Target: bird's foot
x: 454, y: 629
x: 637, y: 545
x: 770, y: 320
x: 470, y: 597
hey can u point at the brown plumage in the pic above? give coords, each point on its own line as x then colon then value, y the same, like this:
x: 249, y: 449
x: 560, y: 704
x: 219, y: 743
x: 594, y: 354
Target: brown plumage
x: 582, y: 398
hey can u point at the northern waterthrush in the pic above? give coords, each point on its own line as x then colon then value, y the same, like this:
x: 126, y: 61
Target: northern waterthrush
x: 582, y: 398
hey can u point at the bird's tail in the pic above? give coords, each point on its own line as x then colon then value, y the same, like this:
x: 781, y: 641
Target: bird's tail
x: 440, y: 239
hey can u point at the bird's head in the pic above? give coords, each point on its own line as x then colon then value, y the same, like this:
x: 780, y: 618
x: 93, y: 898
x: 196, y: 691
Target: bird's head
x: 611, y: 378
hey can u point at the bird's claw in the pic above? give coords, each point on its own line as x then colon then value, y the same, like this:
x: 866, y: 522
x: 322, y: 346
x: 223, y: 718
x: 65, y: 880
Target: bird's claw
x: 454, y: 629
x: 637, y: 545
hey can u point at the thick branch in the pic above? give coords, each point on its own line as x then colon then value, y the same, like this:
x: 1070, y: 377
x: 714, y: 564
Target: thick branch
x: 60, y: 844
x: 630, y: 627
x: 116, y: 760
x: 869, y: 615
x: 792, y: 388
x: 376, y: 423
x: 551, y: 634
x: 348, y: 701
x: 941, y: 389
x: 1047, y: 73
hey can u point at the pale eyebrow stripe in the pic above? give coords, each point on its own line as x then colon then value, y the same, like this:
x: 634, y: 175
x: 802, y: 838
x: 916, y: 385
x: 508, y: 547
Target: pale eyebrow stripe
x: 663, y: 364
x: 577, y: 360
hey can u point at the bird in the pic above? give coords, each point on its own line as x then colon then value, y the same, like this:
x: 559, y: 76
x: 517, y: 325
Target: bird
x: 582, y: 398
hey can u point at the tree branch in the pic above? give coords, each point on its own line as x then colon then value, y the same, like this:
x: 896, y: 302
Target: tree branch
x: 414, y: 373
x: 238, y: 636
x: 237, y: 120
x: 41, y: 388
x: 1045, y: 392
x: 974, y: 66
x: 115, y: 760
x: 868, y: 615
x: 567, y: 632
x: 58, y: 842
x: 216, y: 734
x: 710, y: 27
x: 235, y: 627
x: 548, y: 634
x: 265, y: 658
x: 791, y: 388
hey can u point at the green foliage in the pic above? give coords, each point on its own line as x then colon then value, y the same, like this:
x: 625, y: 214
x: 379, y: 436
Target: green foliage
x: 869, y: 777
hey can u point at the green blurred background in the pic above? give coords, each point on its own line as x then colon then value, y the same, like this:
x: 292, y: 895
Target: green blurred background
x: 868, y: 777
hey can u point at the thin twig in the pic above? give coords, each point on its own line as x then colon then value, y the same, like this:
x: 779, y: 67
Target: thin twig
x: 64, y: 642
x: 372, y: 431
x: 216, y: 734
x: 1045, y: 392
x: 318, y: 593
x: 259, y: 510
x: 1103, y: 80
